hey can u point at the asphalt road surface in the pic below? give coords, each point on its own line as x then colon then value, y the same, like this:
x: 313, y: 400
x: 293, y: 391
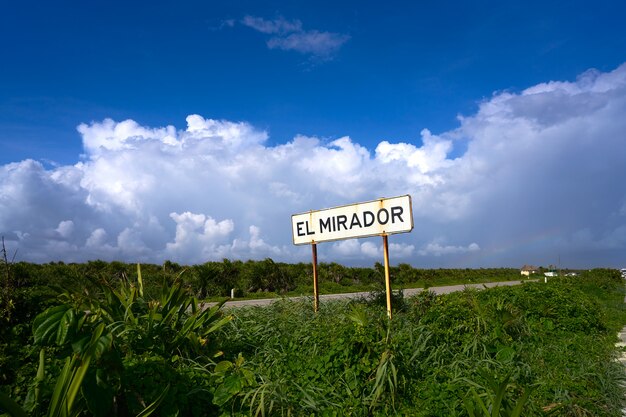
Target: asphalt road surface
x: 407, y: 292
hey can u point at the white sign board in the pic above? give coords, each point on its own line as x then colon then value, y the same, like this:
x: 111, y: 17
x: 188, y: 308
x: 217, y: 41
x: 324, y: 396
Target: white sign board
x: 372, y: 218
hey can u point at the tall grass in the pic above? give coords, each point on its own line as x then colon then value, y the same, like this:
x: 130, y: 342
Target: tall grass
x: 532, y: 350
x: 548, y: 347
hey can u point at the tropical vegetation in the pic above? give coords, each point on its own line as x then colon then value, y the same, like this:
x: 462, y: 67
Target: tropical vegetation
x: 115, y: 339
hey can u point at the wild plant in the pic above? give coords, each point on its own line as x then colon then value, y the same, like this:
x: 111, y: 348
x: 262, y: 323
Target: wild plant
x: 494, y: 401
x: 7, y: 286
x: 129, y: 328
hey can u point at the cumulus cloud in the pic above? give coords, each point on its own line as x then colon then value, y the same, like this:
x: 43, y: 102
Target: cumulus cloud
x: 197, y: 236
x: 541, y: 178
x: 96, y: 239
x: 288, y: 35
x: 65, y: 228
x: 356, y: 249
x: 437, y: 249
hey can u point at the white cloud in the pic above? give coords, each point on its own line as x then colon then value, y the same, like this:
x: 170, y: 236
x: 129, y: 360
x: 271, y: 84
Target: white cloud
x: 355, y: 249
x: 198, y: 237
x: 437, y: 249
x: 371, y: 250
x: 432, y: 155
x: 65, y: 228
x: 112, y: 136
x: 258, y: 245
x: 542, y: 178
x: 401, y: 250
x: 97, y: 238
x: 347, y: 248
x: 290, y: 36
x: 320, y: 44
x: 279, y: 25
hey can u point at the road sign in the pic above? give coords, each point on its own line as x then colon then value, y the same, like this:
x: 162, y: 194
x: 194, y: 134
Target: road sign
x: 372, y: 218
x: 379, y: 217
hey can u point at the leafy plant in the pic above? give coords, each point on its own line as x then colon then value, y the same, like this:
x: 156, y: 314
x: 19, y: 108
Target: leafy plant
x: 386, y: 380
x: 494, y: 401
x: 232, y: 379
x: 65, y: 397
x: 106, y: 325
x: 7, y: 286
x: 348, y: 359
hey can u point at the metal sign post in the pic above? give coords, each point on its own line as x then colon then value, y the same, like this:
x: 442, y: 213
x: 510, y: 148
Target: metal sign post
x: 316, y: 294
x: 387, y: 279
x: 380, y: 217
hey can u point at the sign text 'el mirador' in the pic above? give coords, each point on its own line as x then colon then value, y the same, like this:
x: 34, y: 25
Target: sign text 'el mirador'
x: 378, y: 217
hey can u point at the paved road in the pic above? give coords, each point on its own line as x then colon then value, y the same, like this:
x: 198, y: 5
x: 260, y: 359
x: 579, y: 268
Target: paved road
x: 407, y: 292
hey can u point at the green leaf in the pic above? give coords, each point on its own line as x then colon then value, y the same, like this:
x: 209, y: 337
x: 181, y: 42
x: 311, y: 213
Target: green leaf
x: 46, y: 324
x: 77, y: 376
x: 231, y: 386
x: 65, y: 326
x: 11, y: 406
x: 139, y: 280
x: 58, y: 395
x: 80, y: 345
x: 505, y: 354
x: 217, y: 325
x: 98, y: 395
x: 248, y: 375
x: 155, y: 404
x: 501, y: 391
x: 40, y: 372
x: 223, y: 366
x: 519, y: 407
x: 187, y: 326
x: 103, y: 344
x: 469, y: 407
x: 480, y: 402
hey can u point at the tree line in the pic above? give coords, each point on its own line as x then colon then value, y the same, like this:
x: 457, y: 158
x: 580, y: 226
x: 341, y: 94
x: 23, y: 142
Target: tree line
x: 217, y: 278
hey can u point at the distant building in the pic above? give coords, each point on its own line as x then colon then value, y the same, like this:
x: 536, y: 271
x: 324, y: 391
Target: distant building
x: 528, y: 269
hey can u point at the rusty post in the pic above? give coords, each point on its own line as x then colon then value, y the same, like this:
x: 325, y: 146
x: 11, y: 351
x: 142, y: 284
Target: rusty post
x: 316, y: 295
x: 387, y: 279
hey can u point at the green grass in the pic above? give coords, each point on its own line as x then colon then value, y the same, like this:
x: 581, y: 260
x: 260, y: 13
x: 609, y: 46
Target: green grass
x: 544, y: 349
x: 553, y: 342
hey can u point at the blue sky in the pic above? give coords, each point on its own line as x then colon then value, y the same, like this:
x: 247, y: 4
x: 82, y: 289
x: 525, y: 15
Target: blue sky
x: 405, y: 66
x: 374, y: 73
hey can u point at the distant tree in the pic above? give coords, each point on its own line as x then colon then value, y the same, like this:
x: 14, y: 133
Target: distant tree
x: 7, y: 285
x: 267, y: 275
x: 404, y: 273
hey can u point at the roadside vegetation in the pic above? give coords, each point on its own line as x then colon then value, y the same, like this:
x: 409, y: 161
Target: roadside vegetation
x: 114, y: 339
x: 249, y: 279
